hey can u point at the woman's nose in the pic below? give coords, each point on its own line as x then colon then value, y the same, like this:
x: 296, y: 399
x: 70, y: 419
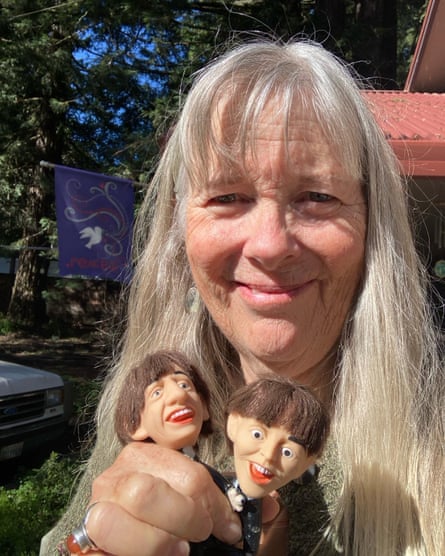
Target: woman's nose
x: 270, y: 241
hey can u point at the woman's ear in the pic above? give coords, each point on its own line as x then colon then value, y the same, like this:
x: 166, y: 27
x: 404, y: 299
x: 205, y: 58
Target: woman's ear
x: 232, y: 425
x: 140, y: 433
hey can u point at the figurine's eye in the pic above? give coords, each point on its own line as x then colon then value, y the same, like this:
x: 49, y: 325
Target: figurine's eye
x: 156, y: 393
x: 185, y: 385
x: 256, y: 434
x: 287, y: 452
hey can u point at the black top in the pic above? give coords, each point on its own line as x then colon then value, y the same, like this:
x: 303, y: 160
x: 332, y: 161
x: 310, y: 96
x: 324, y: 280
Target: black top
x: 250, y: 517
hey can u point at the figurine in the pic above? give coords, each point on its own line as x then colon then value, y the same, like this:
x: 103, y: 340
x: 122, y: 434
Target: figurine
x: 165, y: 400
x: 277, y: 429
x: 163, y: 380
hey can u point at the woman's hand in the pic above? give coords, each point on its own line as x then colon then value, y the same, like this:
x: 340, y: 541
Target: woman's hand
x: 152, y: 500
x: 275, y: 533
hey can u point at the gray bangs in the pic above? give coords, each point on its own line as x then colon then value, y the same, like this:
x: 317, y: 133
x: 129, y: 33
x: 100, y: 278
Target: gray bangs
x: 228, y: 98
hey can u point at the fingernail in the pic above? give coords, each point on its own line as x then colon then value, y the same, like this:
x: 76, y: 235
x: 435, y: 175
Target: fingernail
x: 182, y: 549
x: 234, y: 532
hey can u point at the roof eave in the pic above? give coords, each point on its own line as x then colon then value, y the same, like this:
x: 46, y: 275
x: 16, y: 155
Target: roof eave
x: 420, y: 158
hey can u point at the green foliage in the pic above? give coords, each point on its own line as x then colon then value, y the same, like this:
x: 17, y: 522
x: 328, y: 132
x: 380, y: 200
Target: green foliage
x: 6, y: 326
x: 410, y: 17
x: 97, y: 85
x: 31, y: 509
x: 86, y: 393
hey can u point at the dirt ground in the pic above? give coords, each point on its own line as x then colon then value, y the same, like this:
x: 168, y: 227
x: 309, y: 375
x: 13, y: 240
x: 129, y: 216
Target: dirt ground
x: 82, y: 357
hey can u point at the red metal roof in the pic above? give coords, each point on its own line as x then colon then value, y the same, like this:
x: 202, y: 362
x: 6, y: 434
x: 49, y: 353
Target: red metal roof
x: 414, y: 124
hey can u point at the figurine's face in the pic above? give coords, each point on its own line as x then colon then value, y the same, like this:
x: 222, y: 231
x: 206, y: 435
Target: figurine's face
x: 173, y: 412
x: 266, y: 458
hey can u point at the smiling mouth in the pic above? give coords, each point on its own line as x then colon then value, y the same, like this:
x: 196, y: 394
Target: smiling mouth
x: 270, y: 296
x: 260, y: 474
x: 181, y: 416
x: 273, y: 289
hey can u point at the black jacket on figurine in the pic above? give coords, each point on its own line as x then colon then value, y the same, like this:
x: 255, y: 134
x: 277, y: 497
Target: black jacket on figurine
x: 250, y: 517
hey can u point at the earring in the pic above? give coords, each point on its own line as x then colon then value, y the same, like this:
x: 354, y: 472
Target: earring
x: 192, y: 300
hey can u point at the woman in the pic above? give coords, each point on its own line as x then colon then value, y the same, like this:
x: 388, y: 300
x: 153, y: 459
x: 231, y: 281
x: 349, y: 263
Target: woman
x: 279, y: 201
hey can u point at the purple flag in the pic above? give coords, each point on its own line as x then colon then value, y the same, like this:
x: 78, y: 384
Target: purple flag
x: 94, y: 223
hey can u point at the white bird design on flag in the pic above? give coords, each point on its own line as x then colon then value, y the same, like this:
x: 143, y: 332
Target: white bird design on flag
x: 94, y: 235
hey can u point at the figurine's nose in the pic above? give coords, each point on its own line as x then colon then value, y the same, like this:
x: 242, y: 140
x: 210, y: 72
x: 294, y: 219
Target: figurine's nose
x: 175, y: 394
x: 268, y: 451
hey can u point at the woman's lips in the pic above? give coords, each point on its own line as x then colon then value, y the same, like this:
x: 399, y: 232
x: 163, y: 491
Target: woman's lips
x: 183, y: 415
x: 270, y: 294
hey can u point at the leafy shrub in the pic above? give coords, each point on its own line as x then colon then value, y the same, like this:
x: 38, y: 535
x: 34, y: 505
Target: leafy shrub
x: 6, y: 325
x: 86, y: 393
x: 30, y: 510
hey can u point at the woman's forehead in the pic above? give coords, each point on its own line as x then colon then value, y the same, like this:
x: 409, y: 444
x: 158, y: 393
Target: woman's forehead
x: 233, y: 120
x: 239, y: 129
x: 274, y: 150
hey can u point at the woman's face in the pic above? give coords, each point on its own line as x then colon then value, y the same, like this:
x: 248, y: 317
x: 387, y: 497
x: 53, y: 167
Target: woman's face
x: 276, y: 247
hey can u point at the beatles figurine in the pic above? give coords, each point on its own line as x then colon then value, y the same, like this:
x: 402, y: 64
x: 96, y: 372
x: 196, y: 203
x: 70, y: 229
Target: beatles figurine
x: 277, y: 429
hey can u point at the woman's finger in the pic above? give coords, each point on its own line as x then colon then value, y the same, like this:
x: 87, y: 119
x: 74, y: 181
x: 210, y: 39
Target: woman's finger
x: 169, y: 491
x: 151, y: 500
x: 275, y: 533
x: 117, y: 532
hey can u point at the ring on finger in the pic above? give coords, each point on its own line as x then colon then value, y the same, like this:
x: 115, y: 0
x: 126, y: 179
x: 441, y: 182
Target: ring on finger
x: 79, y: 542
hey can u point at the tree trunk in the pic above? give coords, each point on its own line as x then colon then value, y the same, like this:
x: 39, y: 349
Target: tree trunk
x: 27, y: 306
x: 378, y: 21
x: 335, y: 13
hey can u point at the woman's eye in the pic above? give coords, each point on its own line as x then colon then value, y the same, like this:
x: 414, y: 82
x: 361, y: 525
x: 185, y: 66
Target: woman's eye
x: 257, y: 434
x: 317, y: 197
x: 316, y: 205
x: 287, y: 452
x: 156, y: 393
x: 225, y: 199
x: 185, y: 385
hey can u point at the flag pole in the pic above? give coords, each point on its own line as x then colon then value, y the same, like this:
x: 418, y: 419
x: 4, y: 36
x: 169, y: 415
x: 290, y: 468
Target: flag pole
x: 45, y: 164
x: 51, y: 166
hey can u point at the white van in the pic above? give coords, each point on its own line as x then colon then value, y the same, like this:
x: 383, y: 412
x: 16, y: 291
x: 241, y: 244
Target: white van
x: 35, y: 408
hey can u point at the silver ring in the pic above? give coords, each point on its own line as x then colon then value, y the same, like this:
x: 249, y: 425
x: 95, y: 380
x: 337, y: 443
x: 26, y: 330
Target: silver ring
x: 80, y: 534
